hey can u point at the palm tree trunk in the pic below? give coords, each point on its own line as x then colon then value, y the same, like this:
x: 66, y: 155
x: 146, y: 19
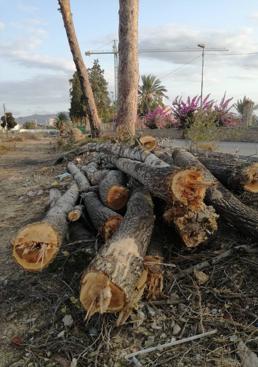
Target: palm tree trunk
x: 128, y: 70
x: 80, y: 67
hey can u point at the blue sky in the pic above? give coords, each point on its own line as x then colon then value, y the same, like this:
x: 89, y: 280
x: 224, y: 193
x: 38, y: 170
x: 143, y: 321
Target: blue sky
x: 36, y: 64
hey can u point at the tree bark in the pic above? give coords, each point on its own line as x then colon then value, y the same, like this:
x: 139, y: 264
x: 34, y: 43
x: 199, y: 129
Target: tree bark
x: 128, y: 69
x: 234, y: 173
x: 75, y: 214
x: 80, y: 67
x: 54, y: 195
x: 93, y: 173
x: 36, y: 245
x: 113, y: 191
x: 78, y: 176
x: 136, y: 153
x: 105, y: 220
x: 224, y: 202
x: 169, y: 183
x: 109, y: 283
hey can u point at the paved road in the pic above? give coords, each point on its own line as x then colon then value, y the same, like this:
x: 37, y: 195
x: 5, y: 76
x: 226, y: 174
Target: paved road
x: 240, y: 148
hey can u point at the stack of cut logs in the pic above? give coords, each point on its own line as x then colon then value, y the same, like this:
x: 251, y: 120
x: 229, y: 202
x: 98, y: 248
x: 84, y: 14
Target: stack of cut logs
x: 115, y: 189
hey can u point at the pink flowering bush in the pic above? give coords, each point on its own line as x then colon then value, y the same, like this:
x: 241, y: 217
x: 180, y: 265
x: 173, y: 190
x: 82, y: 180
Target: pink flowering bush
x: 184, y: 111
x: 160, y: 118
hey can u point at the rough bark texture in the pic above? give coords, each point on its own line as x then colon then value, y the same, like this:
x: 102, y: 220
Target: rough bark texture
x: 78, y: 232
x: 105, y: 220
x: 78, y: 177
x: 169, y: 183
x: 136, y: 153
x: 224, y: 202
x: 113, y: 276
x: 153, y: 265
x: 128, y: 69
x: 113, y: 191
x: 75, y: 214
x: 37, y: 244
x: 233, y: 172
x: 54, y: 195
x: 93, y: 173
x: 80, y: 67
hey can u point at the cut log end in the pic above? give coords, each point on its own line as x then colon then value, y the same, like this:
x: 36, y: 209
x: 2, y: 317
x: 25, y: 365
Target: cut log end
x: 74, y: 215
x: 251, y: 174
x: 36, y: 245
x: 154, y: 283
x: 148, y: 142
x: 189, y: 187
x: 110, y: 227
x: 117, y: 197
x: 99, y: 294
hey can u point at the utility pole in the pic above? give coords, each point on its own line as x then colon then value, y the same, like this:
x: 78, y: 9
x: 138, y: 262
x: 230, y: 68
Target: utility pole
x: 202, y: 46
x: 115, y: 53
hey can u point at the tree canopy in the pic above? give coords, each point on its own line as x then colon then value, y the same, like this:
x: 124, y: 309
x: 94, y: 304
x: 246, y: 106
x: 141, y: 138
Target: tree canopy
x: 8, y: 121
x: 99, y: 87
x: 151, y: 94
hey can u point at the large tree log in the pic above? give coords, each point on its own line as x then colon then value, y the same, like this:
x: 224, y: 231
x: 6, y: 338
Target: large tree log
x: 170, y: 183
x: 113, y: 191
x: 93, y: 173
x: 111, y: 279
x: 80, y: 67
x: 78, y: 177
x: 136, y: 153
x: 105, y: 220
x: 233, y: 172
x: 36, y: 245
x: 225, y: 203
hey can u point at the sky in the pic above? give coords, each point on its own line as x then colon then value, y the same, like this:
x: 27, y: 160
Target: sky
x: 36, y: 63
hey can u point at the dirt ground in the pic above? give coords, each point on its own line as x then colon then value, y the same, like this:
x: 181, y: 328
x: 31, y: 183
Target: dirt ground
x: 42, y: 323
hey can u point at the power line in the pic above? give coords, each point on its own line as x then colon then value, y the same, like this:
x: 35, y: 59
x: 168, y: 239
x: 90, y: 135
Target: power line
x: 173, y: 71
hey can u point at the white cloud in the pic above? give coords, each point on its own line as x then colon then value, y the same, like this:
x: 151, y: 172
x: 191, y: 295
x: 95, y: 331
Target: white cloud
x: 49, y: 93
x: 254, y: 16
x: 2, y: 25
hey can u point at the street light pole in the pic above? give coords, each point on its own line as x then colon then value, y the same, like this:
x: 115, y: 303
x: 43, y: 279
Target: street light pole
x: 202, y: 46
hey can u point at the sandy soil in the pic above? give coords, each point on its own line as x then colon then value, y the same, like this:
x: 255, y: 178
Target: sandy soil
x: 42, y: 323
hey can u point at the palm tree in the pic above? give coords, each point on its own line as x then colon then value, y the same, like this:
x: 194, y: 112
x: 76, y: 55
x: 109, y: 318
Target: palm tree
x: 151, y: 94
x: 60, y: 120
x: 245, y: 107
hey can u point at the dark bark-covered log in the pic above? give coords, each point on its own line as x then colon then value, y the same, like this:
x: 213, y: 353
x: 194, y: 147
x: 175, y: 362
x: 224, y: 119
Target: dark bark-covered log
x: 224, y: 202
x: 80, y: 234
x: 105, y: 220
x: 36, y: 245
x: 117, y: 274
x: 75, y: 214
x: 93, y: 173
x: 169, y: 183
x: 234, y: 173
x: 54, y: 195
x: 113, y: 191
x: 78, y: 176
x: 136, y: 153
x: 194, y: 227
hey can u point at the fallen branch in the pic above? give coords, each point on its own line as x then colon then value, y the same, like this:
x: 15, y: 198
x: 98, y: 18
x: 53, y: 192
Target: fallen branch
x: 78, y: 177
x: 105, y: 220
x: 113, y: 191
x: 171, y: 344
x: 75, y: 214
x: 36, y: 245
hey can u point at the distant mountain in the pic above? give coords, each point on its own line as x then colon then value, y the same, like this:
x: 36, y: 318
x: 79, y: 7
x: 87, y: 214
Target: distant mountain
x: 40, y: 119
